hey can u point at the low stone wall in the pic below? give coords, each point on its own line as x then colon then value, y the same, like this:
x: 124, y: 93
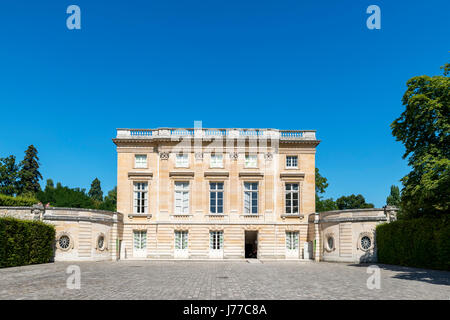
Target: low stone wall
x: 81, y: 234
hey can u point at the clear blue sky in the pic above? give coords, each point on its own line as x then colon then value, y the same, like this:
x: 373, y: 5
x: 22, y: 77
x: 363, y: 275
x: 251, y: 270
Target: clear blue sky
x: 234, y: 63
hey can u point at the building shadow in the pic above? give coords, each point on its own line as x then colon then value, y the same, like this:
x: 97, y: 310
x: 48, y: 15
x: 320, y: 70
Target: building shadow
x: 415, y: 274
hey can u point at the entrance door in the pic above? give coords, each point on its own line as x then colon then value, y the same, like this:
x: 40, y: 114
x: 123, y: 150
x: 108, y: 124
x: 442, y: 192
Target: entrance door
x: 181, y: 244
x: 292, y: 250
x: 216, y: 244
x: 251, y: 244
x: 139, y: 244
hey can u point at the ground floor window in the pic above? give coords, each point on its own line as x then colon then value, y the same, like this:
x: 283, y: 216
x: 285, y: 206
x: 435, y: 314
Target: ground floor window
x: 140, y: 240
x: 292, y: 240
x: 216, y: 240
x: 181, y: 240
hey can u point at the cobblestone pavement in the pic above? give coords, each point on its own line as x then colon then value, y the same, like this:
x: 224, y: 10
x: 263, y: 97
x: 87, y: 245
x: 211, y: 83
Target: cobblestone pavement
x: 221, y: 280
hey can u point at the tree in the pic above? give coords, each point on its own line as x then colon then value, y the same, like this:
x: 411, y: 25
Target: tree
x: 29, y: 174
x: 63, y: 196
x: 110, y: 201
x: 393, y: 198
x: 424, y: 129
x: 8, y: 176
x: 352, y: 202
x: 96, y: 192
x: 321, y: 185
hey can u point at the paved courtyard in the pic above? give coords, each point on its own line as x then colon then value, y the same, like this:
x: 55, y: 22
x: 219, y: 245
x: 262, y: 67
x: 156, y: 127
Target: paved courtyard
x: 221, y: 280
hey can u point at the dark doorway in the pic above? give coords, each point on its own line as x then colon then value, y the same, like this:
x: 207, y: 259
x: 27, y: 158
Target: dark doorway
x: 251, y: 244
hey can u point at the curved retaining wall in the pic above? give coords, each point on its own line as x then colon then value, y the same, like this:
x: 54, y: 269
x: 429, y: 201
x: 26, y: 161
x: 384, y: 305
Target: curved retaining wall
x: 349, y: 235
x: 81, y: 234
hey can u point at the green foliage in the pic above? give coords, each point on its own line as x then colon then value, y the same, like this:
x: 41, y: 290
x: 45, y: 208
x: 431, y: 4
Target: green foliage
x: 29, y: 174
x: 326, y: 205
x: 63, y: 196
x: 110, y: 201
x: 321, y: 185
x: 19, y: 201
x: 424, y: 129
x: 9, y: 176
x: 25, y: 242
x: 394, y: 197
x: 353, y: 202
x: 96, y: 192
x: 421, y: 242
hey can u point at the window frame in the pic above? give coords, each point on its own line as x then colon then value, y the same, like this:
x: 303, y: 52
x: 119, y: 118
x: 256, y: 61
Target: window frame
x: 145, y: 199
x: 292, y: 237
x: 184, y: 163
x: 183, y: 241
x: 252, y: 192
x: 246, y: 161
x: 216, y: 191
x: 184, y: 191
x: 291, y: 192
x: 287, y: 160
x: 216, y: 241
x: 213, y: 164
x: 140, y: 165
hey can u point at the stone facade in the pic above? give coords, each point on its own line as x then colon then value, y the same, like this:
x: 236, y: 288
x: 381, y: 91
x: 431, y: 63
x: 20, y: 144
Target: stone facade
x: 269, y: 173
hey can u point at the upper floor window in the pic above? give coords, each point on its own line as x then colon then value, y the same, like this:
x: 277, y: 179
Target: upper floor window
x: 216, y: 197
x: 140, y: 197
x: 182, y: 160
x: 291, y: 161
x: 251, y: 197
x: 251, y: 161
x: 181, y: 197
x: 292, y: 197
x: 216, y: 161
x: 140, y: 161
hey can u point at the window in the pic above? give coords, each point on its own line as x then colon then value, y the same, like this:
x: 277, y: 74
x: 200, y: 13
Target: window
x: 216, y: 240
x: 292, y: 240
x: 291, y: 198
x: 182, y: 160
x: 140, y: 161
x: 64, y: 242
x: 366, y: 243
x: 140, y: 240
x: 181, y: 240
x: 330, y: 243
x: 291, y: 161
x: 251, y: 197
x: 251, y: 161
x: 181, y: 197
x: 101, y: 242
x: 140, y: 201
x: 216, y: 161
x: 216, y: 197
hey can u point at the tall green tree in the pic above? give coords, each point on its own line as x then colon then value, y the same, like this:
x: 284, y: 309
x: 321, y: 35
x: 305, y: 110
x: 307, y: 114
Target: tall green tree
x: 96, y: 192
x: 424, y: 129
x: 9, y: 174
x: 321, y: 185
x: 393, y: 198
x: 110, y: 201
x: 353, y: 202
x: 29, y: 174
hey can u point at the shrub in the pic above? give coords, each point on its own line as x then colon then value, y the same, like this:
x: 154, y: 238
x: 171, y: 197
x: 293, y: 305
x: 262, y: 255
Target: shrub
x: 421, y: 243
x: 19, y: 201
x: 25, y: 242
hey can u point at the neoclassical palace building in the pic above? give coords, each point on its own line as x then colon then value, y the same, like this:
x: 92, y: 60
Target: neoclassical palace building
x: 196, y: 193
x: 216, y: 193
